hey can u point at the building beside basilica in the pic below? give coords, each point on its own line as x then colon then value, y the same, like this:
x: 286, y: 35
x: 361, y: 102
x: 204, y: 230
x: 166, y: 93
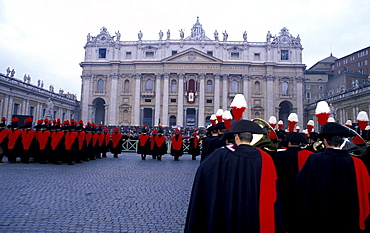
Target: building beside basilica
x: 184, y: 79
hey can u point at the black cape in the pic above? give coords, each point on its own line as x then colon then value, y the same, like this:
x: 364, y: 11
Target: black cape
x: 328, y: 198
x: 230, y: 195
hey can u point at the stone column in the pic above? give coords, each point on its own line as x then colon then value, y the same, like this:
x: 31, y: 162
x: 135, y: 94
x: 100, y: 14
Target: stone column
x: 202, y: 106
x: 113, y: 101
x: 270, y: 103
x: 136, y: 116
x: 85, y: 100
x: 180, y: 98
x: 166, y: 79
x: 7, y: 111
x: 246, y: 82
x: 299, y: 97
x: 24, y: 107
x: 224, y: 91
x: 216, y: 93
x: 157, y: 109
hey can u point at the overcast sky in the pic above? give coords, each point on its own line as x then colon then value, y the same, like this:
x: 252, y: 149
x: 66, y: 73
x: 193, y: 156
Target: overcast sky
x: 45, y: 38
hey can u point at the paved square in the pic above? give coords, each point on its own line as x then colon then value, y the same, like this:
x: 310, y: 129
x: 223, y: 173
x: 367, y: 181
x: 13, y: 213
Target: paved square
x: 106, y: 195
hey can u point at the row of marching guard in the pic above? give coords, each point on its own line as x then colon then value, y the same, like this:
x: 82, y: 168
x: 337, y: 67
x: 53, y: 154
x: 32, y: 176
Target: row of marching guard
x: 69, y: 142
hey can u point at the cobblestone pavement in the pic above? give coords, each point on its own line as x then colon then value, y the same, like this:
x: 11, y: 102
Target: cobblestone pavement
x: 124, y: 194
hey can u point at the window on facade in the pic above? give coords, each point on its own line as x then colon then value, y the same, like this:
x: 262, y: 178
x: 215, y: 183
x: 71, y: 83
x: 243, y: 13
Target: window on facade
x: 128, y: 55
x: 284, y: 55
x: 148, y: 100
x: 149, y: 54
x: 284, y: 88
x: 63, y: 116
x: 234, y: 55
x: 191, y: 86
x: 55, y: 114
x: 32, y: 110
x: 209, y: 86
x: 173, y: 85
x: 126, y: 86
x: 308, y: 87
x: 210, y: 53
x: 102, y: 53
x: 321, y: 87
x: 209, y: 101
x: 320, y: 80
x: 174, y: 52
x: 173, y: 100
x: 257, y: 56
x: 100, y: 87
x: 257, y: 87
x: 338, y: 64
x: 234, y: 86
x: 361, y: 71
x: 308, y: 95
x: 172, y: 120
x: 16, y: 109
x: 149, y: 85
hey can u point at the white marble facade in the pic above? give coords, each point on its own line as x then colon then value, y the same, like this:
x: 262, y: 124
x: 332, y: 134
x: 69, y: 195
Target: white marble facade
x: 184, y: 80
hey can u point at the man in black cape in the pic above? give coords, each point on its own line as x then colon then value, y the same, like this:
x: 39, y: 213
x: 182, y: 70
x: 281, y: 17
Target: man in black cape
x: 235, y: 189
x: 332, y: 188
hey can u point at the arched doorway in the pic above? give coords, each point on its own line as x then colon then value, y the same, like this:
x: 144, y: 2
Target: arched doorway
x: 285, y: 108
x: 99, y: 116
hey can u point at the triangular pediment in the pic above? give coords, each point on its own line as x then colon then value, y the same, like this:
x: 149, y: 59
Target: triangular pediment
x: 191, y: 56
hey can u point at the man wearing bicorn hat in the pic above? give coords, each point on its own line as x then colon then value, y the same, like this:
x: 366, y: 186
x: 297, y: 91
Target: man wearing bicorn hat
x: 235, y: 188
x: 332, y: 188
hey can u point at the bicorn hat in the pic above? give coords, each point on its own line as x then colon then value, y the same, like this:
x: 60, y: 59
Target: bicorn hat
x: 242, y: 126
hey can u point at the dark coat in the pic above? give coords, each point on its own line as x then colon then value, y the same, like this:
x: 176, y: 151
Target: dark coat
x: 230, y: 194
x: 331, y: 191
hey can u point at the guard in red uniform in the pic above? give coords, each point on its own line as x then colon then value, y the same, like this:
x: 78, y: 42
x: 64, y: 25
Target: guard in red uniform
x: 43, y: 138
x: 152, y: 143
x: 57, y: 143
x: 176, y: 145
x: 194, y: 147
x: 235, y: 189
x: 143, y: 147
x: 160, y: 146
x: 28, y: 141
x: 70, y: 144
x: 116, y: 148
x: 106, y: 142
x: 14, y: 141
x: 3, y: 138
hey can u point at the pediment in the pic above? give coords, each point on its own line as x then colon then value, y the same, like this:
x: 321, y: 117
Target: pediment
x: 191, y: 56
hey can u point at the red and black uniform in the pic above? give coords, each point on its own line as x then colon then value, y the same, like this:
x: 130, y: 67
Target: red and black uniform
x: 3, y: 139
x: 101, y: 137
x: 332, y: 193
x: 160, y: 146
x: 95, y: 145
x: 106, y: 142
x: 288, y: 163
x: 176, y: 146
x: 152, y: 143
x: 81, y: 145
x: 57, y: 146
x: 28, y: 143
x: 71, y: 147
x: 116, y: 147
x: 194, y: 147
x: 14, y: 145
x: 235, y: 190
x: 43, y: 138
x: 89, y: 145
x: 143, y: 147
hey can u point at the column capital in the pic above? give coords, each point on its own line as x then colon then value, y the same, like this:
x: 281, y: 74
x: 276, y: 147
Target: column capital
x: 225, y: 76
x: 181, y: 75
x: 137, y: 76
x: 299, y: 79
x: 158, y: 75
x: 166, y: 75
x: 247, y: 77
x: 202, y: 75
x: 269, y: 77
x: 216, y: 75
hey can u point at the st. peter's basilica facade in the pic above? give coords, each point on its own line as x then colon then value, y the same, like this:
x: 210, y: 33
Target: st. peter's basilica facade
x: 184, y: 80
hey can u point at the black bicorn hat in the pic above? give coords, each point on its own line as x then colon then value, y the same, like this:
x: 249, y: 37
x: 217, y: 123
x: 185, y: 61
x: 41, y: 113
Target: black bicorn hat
x: 295, y: 137
x: 333, y: 128
x: 242, y: 126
